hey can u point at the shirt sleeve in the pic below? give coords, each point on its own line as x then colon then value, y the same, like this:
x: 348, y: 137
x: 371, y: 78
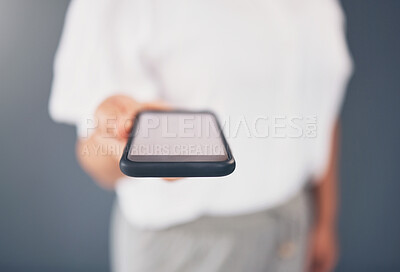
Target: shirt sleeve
x: 100, y: 54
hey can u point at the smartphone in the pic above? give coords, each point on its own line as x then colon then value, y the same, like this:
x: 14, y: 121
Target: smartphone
x: 177, y: 144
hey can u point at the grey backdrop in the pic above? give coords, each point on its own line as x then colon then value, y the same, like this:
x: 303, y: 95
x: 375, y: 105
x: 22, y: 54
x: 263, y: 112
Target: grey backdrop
x: 52, y: 216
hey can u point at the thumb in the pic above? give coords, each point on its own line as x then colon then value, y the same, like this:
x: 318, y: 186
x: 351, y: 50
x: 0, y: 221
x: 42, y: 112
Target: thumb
x: 156, y: 105
x: 125, y: 123
x: 116, y: 115
x: 128, y: 117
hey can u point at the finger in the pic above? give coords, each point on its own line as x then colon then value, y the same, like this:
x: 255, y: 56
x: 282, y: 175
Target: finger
x: 171, y: 179
x: 109, y: 147
x: 128, y: 111
x: 116, y: 116
x: 107, y: 119
x: 157, y: 105
x: 131, y: 109
x: 125, y: 124
x: 128, y: 118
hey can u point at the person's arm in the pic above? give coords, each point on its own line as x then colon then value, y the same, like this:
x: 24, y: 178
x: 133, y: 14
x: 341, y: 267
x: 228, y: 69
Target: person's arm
x: 99, y: 154
x: 323, y: 246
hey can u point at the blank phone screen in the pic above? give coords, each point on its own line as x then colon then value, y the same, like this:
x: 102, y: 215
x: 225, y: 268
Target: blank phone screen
x: 177, y: 137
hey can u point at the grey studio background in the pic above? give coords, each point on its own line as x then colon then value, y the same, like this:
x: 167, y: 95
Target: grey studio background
x: 54, y: 218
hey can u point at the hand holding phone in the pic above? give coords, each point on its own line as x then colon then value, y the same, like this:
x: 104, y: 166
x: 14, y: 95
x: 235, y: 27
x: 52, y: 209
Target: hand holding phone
x: 100, y: 151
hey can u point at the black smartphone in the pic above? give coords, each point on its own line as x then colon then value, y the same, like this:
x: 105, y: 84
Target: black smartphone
x: 177, y: 144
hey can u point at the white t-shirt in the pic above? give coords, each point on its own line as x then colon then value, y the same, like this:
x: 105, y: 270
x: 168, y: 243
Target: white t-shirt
x: 274, y: 71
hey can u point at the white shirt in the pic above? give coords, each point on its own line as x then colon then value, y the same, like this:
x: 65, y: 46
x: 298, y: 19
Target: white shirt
x: 264, y: 66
